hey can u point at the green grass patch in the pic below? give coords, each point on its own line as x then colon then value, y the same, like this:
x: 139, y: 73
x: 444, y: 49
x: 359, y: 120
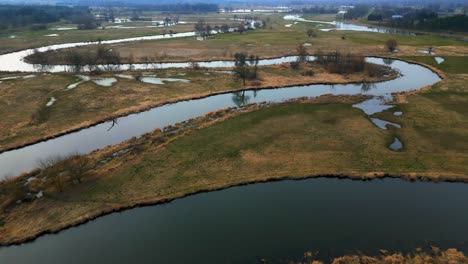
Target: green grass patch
x: 452, y: 64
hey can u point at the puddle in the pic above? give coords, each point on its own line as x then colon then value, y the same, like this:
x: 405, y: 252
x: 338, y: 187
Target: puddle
x: 64, y: 28
x: 51, y: 101
x: 18, y: 77
x: 225, y: 72
x: 105, y: 81
x: 426, y: 52
x: 396, y: 145
x: 307, y: 44
x: 383, y: 124
x: 52, y: 35
x: 373, y: 105
x: 439, y: 60
x: 288, y: 25
x: 398, y: 113
x: 155, y: 80
x: 125, y: 76
x: 83, y: 79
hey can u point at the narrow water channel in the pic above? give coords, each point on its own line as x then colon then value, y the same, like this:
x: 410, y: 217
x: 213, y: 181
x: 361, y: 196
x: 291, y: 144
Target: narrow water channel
x: 274, y: 221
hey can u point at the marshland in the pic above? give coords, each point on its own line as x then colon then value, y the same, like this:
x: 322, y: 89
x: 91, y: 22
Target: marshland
x: 208, y: 133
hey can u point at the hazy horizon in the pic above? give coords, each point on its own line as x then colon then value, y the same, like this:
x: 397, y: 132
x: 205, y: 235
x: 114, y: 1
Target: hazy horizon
x: 233, y: 2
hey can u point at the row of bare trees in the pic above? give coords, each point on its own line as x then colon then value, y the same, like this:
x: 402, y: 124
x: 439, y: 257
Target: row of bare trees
x: 99, y: 59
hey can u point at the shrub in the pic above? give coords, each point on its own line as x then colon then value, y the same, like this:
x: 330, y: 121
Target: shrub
x: 311, y: 33
x: 295, y: 65
x: 374, y: 70
x: 337, y: 62
x: 40, y: 115
x: 308, y: 73
x: 391, y: 44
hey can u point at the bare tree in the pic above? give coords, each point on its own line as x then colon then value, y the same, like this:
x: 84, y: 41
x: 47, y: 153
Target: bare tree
x: 51, y: 169
x: 302, y: 54
x: 40, y: 60
x: 50, y: 161
x: 77, y: 166
x: 75, y: 59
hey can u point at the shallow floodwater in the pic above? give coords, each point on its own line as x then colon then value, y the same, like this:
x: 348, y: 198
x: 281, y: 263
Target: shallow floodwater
x: 155, y: 80
x: 86, y: 140
x: 382, y: 124
x: 276, y: 221
x: 396, y: 145
x: 439, y: 60
x: 105, y: 81
x: 346, y: 26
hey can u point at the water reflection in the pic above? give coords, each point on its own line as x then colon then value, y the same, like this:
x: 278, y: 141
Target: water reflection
x: 240, y: 98
x: 388, y: 61
x: 114, y: 123
x: 365, y: 87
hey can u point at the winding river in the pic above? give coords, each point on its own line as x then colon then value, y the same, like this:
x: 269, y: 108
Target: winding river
x: 274, y: 221
x: 84, y: 141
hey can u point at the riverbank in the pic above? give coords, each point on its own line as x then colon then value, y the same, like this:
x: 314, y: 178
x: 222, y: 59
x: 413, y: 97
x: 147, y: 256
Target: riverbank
x: 89, y: 104
x: 435, y: 256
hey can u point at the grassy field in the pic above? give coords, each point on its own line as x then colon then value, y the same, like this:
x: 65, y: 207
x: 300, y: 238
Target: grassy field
x: 451, y: 65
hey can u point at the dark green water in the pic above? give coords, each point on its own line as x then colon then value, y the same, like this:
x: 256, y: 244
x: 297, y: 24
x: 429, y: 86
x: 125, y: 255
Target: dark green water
x: 276, y: 221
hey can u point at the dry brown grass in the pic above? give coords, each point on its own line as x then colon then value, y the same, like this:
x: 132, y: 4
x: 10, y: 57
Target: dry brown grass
x: 449, y: 256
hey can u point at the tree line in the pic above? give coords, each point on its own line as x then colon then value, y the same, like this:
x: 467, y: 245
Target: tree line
x: 424, y: 19
x: 12, y: 16
x: 77, y: 60
x: 184, y: 8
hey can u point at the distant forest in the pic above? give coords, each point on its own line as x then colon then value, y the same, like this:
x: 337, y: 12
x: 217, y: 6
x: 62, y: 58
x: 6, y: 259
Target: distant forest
x: 317, y: 9
x: 451, y: 23
x: 424, y: 19
x: 12, y: 16
x: 179, y: 8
